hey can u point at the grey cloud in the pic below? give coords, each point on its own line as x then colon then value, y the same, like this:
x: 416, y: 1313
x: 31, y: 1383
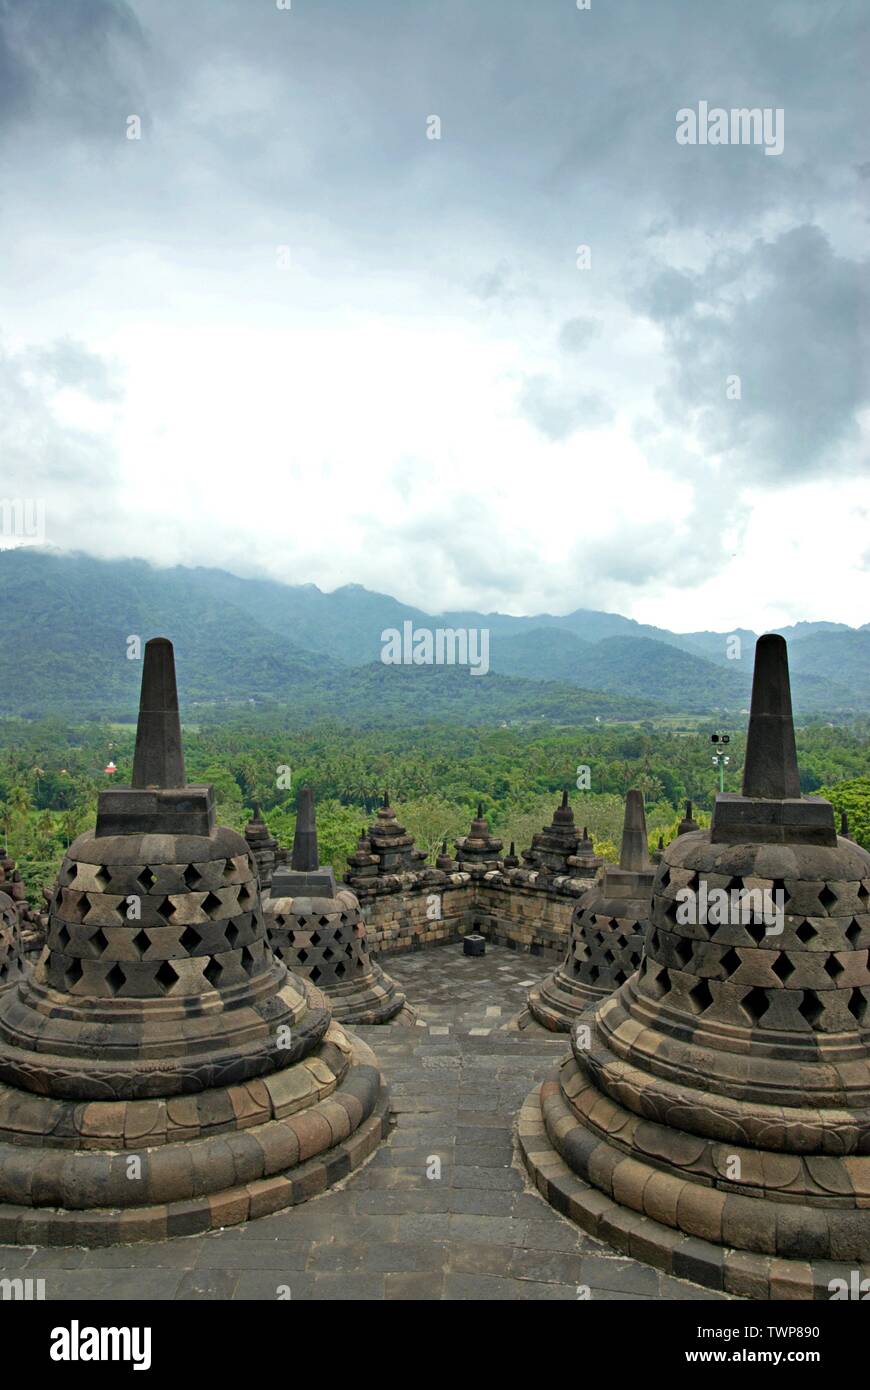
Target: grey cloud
x: 577, y: 333
x: 790, y: 318
x: 557, y: 408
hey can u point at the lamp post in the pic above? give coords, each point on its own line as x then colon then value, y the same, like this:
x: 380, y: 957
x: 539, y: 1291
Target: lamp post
x: 720, y: 757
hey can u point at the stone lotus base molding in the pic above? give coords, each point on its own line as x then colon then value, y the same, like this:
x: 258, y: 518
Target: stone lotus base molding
x: 795, y: 1219
x: 208, y: 1159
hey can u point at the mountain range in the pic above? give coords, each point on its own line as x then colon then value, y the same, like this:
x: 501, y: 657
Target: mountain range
x: 65, y: 620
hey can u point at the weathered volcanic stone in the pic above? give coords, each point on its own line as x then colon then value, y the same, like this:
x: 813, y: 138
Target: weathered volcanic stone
x: 262, y: 845
x: 606, y: 936
x: 478, y: 851
x: 12, y: 963
x: 31, y: 923
x: 321, y: 936
x: 721, y: 1112
x: 158, y: 1023
x: 553, y: 846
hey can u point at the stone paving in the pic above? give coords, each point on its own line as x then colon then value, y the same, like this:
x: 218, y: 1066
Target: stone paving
x: 479, y: 1231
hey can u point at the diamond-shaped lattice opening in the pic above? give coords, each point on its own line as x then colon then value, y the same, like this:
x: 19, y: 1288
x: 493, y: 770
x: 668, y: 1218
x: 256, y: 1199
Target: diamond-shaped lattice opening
x: 778, y: 887
x: 146, y: 879
x: 700, y: 997
x: 620, y: 978
x: 671, y: 911
x: 755, y: 1005
x: 192, y: 876
x: 857, y: 1005
x: 325, y: 922
x: 68, y: 872
x: 665, y: 878
x: 58, y: 897
x: 609, y: 957
x: 806, y: 932
x: 659, y: 980
x: 683, y: 951
x: 593, y: 973
x: 83, y: 907
x: 63, y: 937
x: 301, y: 921
x: 303, y: 956
x: 99, y: 941
x: 231, y: 932
x: 103, y: 878
x: 833, y: 967
x: 142, y: 941
x: 229, y: 868
x: 189, y: 940
x: 694, y: 881
x: 756, y: 928
x: 340, y: 969
x: 245, y: 895
x: 827, y: 897
x: 316, y: 973
x: 248, y: 962
x: 316, y: 938
x: 654, y: 940
x: 166, y: 910
x: 811, y: 1007
x: 328, y: 954
x: 634, y: 960
x: 73, y: 973
x: 863, y: 894
x: 348, y: 950
x: 212, y: 905
x: 116, y: 979
x: 730, y: 962
x: 782, y: 967
x: 166, y: 976
x: 853, y: 932
x: 213, y: 971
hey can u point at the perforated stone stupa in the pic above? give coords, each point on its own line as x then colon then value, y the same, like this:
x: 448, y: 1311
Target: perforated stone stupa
x: 159, y: 1024
x: 317, y: 930
x: 719, y: 1124
x: 606, y: 935
x: 12, y: 963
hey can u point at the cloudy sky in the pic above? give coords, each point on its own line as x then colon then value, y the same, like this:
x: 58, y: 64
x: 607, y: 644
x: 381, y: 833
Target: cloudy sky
x: 286, y: 331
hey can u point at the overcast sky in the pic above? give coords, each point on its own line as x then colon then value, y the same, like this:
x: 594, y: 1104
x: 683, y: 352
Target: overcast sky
x: 286, y: 332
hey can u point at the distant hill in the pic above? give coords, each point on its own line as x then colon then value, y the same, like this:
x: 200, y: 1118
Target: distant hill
x: 65, y: 620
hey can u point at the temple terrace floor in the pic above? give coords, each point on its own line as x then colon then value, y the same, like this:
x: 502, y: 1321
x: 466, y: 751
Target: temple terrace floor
x: 395, y: 1229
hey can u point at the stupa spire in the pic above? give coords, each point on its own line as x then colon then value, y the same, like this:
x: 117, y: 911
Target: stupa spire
x: 304, y: 857
x: 634, y: 854
x: 159, y: 758
x: 770, y: 770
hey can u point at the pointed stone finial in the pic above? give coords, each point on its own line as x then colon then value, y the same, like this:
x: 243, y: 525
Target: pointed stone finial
x: 444, y: 847
x: 513, y: 850
x: 688, y: 810
x: 304, y: 858
x: 255, y: 810
x: 564, y: 798
x: 386, y: 801
x: 844, y: 826
x: 634, y: 853
x: 159, y: 759
x: 661, y: 842
x: 480, y: 810
x: 770, y: 770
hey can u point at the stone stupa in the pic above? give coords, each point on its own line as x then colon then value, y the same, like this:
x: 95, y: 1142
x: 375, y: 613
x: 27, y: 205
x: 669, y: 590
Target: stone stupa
x: 317, y: 929
x: 12, y: 963
x: 159, y: 1026
x: 717, y: 1124
x: 262, y: 844
x: 552, y: 847
x: 688, y: 825
x: 478, y: 851
x: 605, y: 942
